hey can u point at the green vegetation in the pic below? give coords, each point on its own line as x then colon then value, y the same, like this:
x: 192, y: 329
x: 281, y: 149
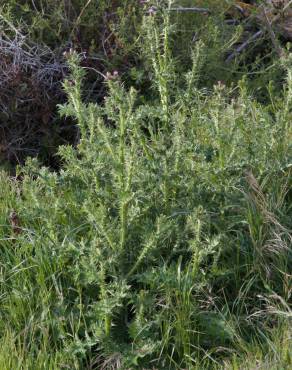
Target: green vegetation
x: 163, y: 240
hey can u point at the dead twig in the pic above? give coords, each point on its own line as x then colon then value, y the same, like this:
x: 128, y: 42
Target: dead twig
x: 244, y: 45
x: 275, y: 43
x: 268, y: 28
x: 80, y: 16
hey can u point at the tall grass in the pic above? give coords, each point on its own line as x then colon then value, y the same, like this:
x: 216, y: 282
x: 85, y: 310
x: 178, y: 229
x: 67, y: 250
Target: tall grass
x: 164, y: 241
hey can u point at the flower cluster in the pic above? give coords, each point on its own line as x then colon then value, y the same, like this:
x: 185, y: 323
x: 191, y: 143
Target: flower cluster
x: 152, y: 10
x: 111, y: 76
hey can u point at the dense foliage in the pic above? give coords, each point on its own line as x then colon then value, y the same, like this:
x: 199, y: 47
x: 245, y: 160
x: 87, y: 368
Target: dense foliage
x: 164, y: 239
x: 34, y: 37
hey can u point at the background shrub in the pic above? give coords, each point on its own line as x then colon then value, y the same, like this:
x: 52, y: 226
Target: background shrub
x: 35, y: 36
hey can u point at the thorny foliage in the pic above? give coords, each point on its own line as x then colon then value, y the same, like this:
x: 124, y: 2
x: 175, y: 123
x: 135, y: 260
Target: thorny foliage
x: 165, y: 239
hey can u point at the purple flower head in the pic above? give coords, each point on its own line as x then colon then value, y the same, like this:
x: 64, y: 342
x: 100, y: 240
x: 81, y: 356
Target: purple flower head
x: 111, y: 76
x: 152, y: 10
x: 220, y: 85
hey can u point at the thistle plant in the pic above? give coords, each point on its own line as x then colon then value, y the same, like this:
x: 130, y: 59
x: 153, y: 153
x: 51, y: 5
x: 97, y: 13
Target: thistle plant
x: 164, y: 239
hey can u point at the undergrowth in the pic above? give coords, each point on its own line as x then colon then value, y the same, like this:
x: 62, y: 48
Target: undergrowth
x: 164, y: 242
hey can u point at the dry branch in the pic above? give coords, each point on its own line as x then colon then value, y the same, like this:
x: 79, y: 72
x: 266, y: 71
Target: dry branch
x: 265, y: 18
x: 244, y: 45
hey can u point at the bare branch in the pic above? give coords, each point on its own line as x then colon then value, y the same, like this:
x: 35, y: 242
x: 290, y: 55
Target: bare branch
x: 244, y: 45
